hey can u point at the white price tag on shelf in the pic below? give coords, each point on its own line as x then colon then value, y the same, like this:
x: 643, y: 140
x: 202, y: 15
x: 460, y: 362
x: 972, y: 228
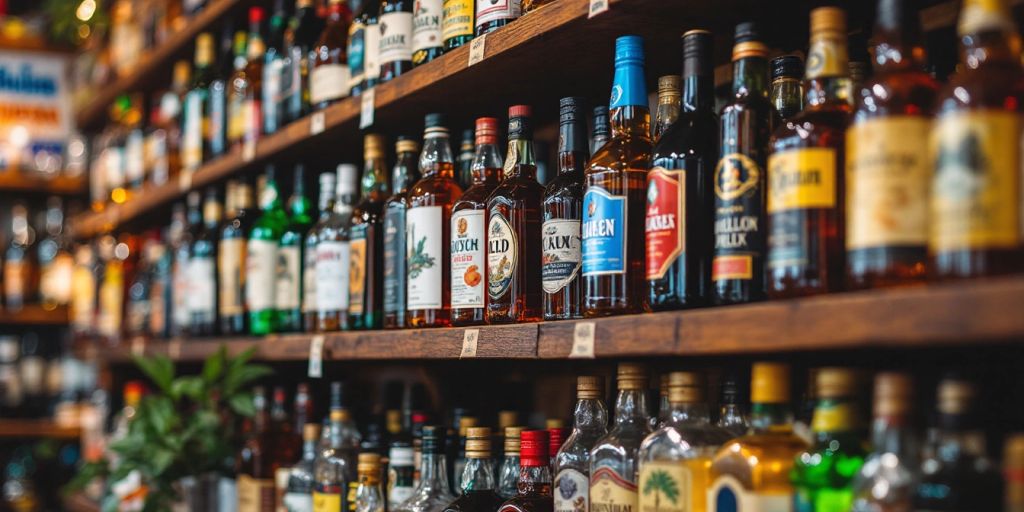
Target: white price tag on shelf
x: 174, y: 349
x: 248, y: 150
x: 469, y: 339
x: 138, y: 346
x: 583, y: 340
x: 185, y: 180
x: 316, y: 357
x: 597, y: 7
x: 476, y: 49
x: 317, y: 123
x: 366, y: 106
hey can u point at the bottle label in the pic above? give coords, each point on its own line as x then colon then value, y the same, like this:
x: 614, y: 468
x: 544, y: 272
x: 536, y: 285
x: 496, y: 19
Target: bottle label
x: 357, y: 270
x: 260, y: 265
x: 561, y: 259
x: 835, y: 417
x: 179, y: 290
x: 309, y: 279
x: 192, y: 131
x: 332, y: 265
x: 502, y: 254
x: 425, y: 250
x: 426, y: 28
x: 737, y: 217
x: 252, y: 120
x: 395, y: 37
x: 467, y: 253
x: 394, y: 259
x: 83, y: 286
x: 328, y: 82
x: 727, y: 494
x: 356, y: 53
x: 272, y: 92
x: 326, y: 502
x: 604, y: 232
x: 827, y: 57
x: 801, y: 179
x: 371, y: 53
x: 202, y: 278
x: 976, y: 192
x: 665, y: 225
x: 494, y: 10
x: 289, y: 269
x: 400, y: 493
x: 298, y: 502
x: 572, y: 490
x: 610, y: 492
x: 255, y: 495
x: 674, y: 486
x: 457, y: 19
x: 888, y: 175
x: 232, y: 276
x: 218, y: 117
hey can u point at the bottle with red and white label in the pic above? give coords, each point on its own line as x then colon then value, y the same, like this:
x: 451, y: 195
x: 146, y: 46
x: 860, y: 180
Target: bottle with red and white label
x: 494, y: 14
x: 329, y: 74
x: 534, y: 487
x: 333, y: 254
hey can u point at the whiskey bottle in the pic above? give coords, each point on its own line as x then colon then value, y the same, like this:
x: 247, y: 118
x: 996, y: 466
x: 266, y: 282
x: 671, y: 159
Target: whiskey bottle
x: 680, y: 203
x: 20, y: 273
x: 889, y: 475
x: 369, y: 495
x: 469, y: 231
x: 563, y: 210
x: 272, y: 96
x: 396, y: 38
x: 614, y: 194
x: 304, y: 29
x: 298, y: 496
x: 355, y: 49
x: 432, y: 493
x: 508, y: 471
x: 669, y: 104
x: 332, y: 469
x: 202, y: 270
x: 54, y: 258
x: 404, y: 175
x: 371, y: 50
x: 428, y: 233
x: 514, y: 292
x: 975, y: 192
x: 231, y: 264
x: 218, y: 114
x: 181, y: 319
x: 252, y: 105
x: 737, y: 270
x: 237, y: 89
x: 195, y: 147
x: 401, y: 467
x: 333, y: 256
x: 366, y: 278
x: 534, y: 485
x: 492, y: 15
x: 888, y: 173
x: 805, y: 172
x: 467, y: 153
x: 254, y: 468
x: 328, y: 186
x: 478, y: 483
x: 787, y: 91
x: 427, y: 42
x: 613, y: 461
x: 292, y: 271
x: 329, y: 75
x: 602, y: 129
x: 261, y: 260
x: 456, y: 23
x: 571, y: 463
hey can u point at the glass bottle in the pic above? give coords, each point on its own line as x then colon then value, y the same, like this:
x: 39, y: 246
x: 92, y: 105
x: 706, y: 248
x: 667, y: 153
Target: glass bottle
x: 508, y: 471
x: 328, y: 186
x: 195, y: 147
x: 329, y: 74
x: 679, y: 189
x: 237, y: 89
x: 805, y: 172
x: 252, y: 106
x: 787, y: 91
x: 298, y: 496
x: 669, y: 104
x: 533, y: 490
x: 404, y: 175
x: 975, y: 213
x: 369, y: 494
x: 613, y: 461
x: 731, y: 415
x: 427, y: 42
x: 602, y: 129
x: 456, y: 451
x: 255, y: 474
x: 371, y: 50
x: 332, y: 469
x: 663, y: 404
x: 366, y: 278
x: 432, y: 493
x: 469, y: 231
x: 396, y: 38
x: 887, y: 479
x: 356, y: 45
x: 183, y: 218
x: 467, y: 154
x: 1013, y: 470
x: 20, y: 273
x: 55, y: 261
x: 273, y: 70
x: 401, y: 467
x: 514, y: 291
x: 491, y: 16
x: 457, y: 23
x: 221, y: 86
x: 563, y: 210
x: 614, y: 194
x: 478, y: 484
x: 291, y: 269
x: 737, y: 268
x: 202, y: 270
x: 305, y: 29
x: 887, y: 167
x: 333, y: 255
x: 261, y: 257
x: 231, y: 264
x: 572, y: 461
x: 428, y: 230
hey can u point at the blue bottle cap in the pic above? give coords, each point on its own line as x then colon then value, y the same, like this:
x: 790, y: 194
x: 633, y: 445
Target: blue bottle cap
x: 629, y: 49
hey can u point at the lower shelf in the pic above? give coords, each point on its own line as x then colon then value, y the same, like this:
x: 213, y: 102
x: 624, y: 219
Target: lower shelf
x: 24, y: 429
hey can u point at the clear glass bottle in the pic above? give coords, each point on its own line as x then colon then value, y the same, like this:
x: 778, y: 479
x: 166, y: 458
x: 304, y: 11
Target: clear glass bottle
x: 401, y: 467
x: 325, y: 205
x: 613, y: 462
x: 432, y: 493
x: 508, y: 472
x: 332, y: 470
x: 477, y: 478
x: 405, y: 174
x: 333, y: 256
x: 55, y: 261
x: 731, y: 415
x: 369, y: 495
x: 533, y: 490
x: 298, y: 496
x: 890, y: 474
x: 572, y: 461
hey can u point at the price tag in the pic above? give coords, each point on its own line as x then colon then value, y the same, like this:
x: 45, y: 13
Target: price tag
x: 476, y: 49
x: 174, y: 349
x: 583, y: 340
x: 367, y: 100
x: 248, y: 151
x: 597, y: 7
x: 185, y: 180
x: 138, y: 346
x: 316, y: 123
x: 469, y: 339
x: 316, y: 357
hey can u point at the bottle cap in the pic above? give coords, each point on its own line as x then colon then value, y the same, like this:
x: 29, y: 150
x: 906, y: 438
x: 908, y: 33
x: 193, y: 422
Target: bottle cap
x: 669, y: 88
x: 893, y: 394
x: 984, y: 15
x: 348, y: 174
x: 373, y: 146
x: 519, y: 111
x: 685, y: 388
x: 486, y: 130
x: 629, y: 50
x: 769, y: 383
x: 433, y: 439
x: 697, y: 53
x: 955, y: 396
x: 204, y: 48
x: 746, y: 31
x: 435, y: 120
x: 465, y: 423
x: 891, y: 15
x: 255, y: 14
x: 551, y: 423
x: 787, y: 66
x: 406, y: 144
x: 478, y: 443
x: 836, y: 383
x: 601, y: 126
x: 310, y: 431
x: 747, y: 43
x: 533, y: 450
x: 828, y: 21
x: 507, y: 419
x: 368, y: 467
x: 512, y: 439
x: 570, y: 109
x: 632, y: 376
x: 519, y: 125
x: 401, y: 456
x: 467, y: 139
x: 556, y: 437
x: 589, y: 387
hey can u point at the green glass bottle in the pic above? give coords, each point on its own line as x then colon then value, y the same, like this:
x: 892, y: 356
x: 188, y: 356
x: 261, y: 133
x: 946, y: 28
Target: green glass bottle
x: 261, y: 256
x: 288, y: 291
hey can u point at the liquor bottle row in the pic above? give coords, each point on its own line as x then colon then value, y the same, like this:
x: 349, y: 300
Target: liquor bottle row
x: 40, y: 379
x: 37, y: 268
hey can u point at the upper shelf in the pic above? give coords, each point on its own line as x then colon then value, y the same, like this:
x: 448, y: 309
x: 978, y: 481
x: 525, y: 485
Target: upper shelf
x: 19, y: 181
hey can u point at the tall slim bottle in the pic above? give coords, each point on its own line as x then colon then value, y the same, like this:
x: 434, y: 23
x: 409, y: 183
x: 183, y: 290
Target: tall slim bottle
x: 427, y: 41
x: 231, y: 264
x: 457, y: 23
x: 572, y: 461
x: 396, y: 38
x: 356, y: 45
x: 613, y: 461
x: 366, y: 240
x: 305, y: 30
x: 332, y: 469
x: 215, y: 134
x: 614, y: 194
x: 252, y: 103
x: 195, y: 147
x: 329, y: 73
x: 274, y: 69
x: 508, y: 470
x: 889, y: 476
x: 333, y: 256
x: 261, y: 257
x: 291, y: 269
x: 405, y: 174
x: 181, y: 316
x: 328, y: 184
x: 601, y: 129
x: 202, y: 270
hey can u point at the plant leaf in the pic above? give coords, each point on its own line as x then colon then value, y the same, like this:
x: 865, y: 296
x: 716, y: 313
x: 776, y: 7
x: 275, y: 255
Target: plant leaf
x: 242, y: 404
x: 237, y: 379
x: 214, y: 365
x: 191, y: 387
x: 159, y: 369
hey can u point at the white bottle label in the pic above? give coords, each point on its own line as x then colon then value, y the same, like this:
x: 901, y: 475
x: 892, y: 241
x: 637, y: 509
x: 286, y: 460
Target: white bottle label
x: 493, y: 10
x: 328, y: 82
x: 309, y: 280
x: 572, y: 491
x: 332, y: 262
x: 502, y: 255
x: 561, y: 260
x: 395, y: 37
x: 192, y: 132
x: 286, y: 292
x: 201, y: 279
x: 426, y: 30
x: 423, y: 260
x: 467, y: 255
x: 298, y: 502
x: 371, y: 57
x: 260, y: 264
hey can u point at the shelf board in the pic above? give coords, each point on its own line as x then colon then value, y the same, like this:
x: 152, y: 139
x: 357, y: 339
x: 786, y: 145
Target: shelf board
x: 20, y: 429
x: 957, y: 314
x: 20, y: 181
x: 79, y: 502
x: 34, y: 314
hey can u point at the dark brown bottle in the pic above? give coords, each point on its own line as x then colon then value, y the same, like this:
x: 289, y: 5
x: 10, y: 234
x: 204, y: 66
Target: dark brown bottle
x: 534, y: 486
x: 478, y: 482
x: 405, y: 174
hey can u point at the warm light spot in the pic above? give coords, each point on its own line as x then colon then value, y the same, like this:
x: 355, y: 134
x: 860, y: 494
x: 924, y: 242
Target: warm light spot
x: 18, y: 136
x: 86, y: 10
x: 121, y: 251
x: 119, y: 195
x: 84, y: 31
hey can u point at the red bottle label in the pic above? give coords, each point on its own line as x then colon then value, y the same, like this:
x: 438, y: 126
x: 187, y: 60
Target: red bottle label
x: 664, y: 227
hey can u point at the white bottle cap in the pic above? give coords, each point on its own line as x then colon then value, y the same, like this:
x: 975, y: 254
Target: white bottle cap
x: 348, y: 174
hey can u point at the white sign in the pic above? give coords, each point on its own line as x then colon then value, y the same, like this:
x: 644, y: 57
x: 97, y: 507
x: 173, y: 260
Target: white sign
x: 35, y: 110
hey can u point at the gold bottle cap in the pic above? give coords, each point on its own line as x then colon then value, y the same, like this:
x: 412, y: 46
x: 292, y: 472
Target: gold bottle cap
x: 589, y: 387
x: 310, y: 431
x: 507, y: 419
x: 465, y: 422
x: 182, y: 70
x: 984, y: 15
x: 748, y: 49
x: 373, y: 146
x: 554, y: 423
x: 827, y: 56
x: 685, y: 388
x: 955, y: 396
x: 828, y: 20
x: 769, y: 383
x: 368, y: 467
x: 478, y: 443
x: 204, y: 49
x: 337, y: 415
x: 669, y: 88
x: 893, y: 394
x: 632, y: 376
x: 512, y: 439
x: 836, y: 383
x: 407, y: 146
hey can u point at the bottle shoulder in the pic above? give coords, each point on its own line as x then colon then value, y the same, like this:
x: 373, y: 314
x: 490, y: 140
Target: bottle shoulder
x: 475, y: 197
x: 515, y: 189
x: 621, y: 154
x: 812, y: 127
x: 985, y: 87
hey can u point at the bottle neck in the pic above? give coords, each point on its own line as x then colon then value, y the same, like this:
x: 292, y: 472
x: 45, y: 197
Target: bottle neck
x: 269, y: 199
x: 750, y: 77
x: 828, y: 83
x: 522, y: 162
x: 375, y: 179
x: 633, y: 121
x: 573, y: 150
x: 590, y: 415
x: 344, y: 201
x: 698, y: 92
x: 630, y: 407
x: 991, y: 47
x: 436, y: 159
x: 889, y: 434
x: 478, y: 475
x: 689, y: 412
x: 309, y: 449
x: 433, y: 474
x: 487, y: 164
x: 534, y: 480
x: 771, y: 418
x: 835, y: 415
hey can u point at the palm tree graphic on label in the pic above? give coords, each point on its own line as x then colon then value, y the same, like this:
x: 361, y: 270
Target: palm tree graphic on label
x: 660, y: 483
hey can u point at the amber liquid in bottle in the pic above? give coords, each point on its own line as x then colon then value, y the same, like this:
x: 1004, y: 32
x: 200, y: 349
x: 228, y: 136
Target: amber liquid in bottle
x: 329, y: 76
x: 253, y: 103
x: 405, y: 174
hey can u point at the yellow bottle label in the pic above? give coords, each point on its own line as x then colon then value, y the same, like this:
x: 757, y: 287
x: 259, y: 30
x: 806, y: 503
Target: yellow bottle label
x: 976, y: 190
x: 674, y: 486
x: 458, y: 19
x: 888, y: 174
x: 356, y: 275
x: 802, y: 179
x: 610, y: 492
x: 323, y: 502
x: 836, y: 417
x: 827, y: 57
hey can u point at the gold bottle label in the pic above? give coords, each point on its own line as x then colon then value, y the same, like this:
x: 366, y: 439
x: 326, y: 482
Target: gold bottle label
x: 231, y: 268
x: 458, y: 19
x: 357, y: 274
x: 323, y: 502
x: 837, y: 417
x: 667, y: 487
x: 255, y: 495
x: 610, y: 492
x: 801, y: 179
x: 827, y: 57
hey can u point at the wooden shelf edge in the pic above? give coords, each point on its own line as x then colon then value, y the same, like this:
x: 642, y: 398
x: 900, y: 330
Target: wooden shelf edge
x: 32, y: 428
x: 78, y: 502
x: 34, y: 314
x: 23, y: 181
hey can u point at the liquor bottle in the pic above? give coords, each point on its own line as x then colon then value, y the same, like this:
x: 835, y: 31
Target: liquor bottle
x: 602, y: 129
x: 427, y: 39
x: 237, y: 88
x: 328, y: 188
x: 664, y: 407
x: 613, y: 462
x: 787, y: 91
x: 216, y: 108
x: 261, y: 259
x: 755, y: 468
x: 273, y: 70
x: 469, y: 231
x: 356, y: 46
x: 298, y: 496
x: 560, y: 232
x: 332, y: 255
x: 467, y: 153
x: 508, y: 471
x: 291, y: 269
x: 805, y: 172
x: 737, y: 268
x: 957, y: 474
x: 669, y: 104
x: 975, y: 191
x: 137, y: 309
x: 55, y: 261
x: 255, y: 474
x: 572, y: 462
x: 514, y: 291
x: 838, y: 449
x: 404, y: 175
x: 202, y: 270
x: 286, y: 444
x: 680, y: 204
x: 456, y: 23
x: 329, y: 74
x: 396, y: 38
x: 614, y: 194
x: 400, y: 473
x: 305, y: 27
x: 887, y: 167
x: 889, y: 475
x: 20, y: 274
x: 181, y: 312
x: 492, y: 15
x: 252, y: 108
x: 432, y: 492
x: 534, y: 485
x: 1013, y: 471
x: 456, y: 451
x: 478, y: 483
x: 195, y: 144
x: 731, y: 414
x: 231, y: 263
x: 366, y: 278
x: 371, y: 49
x: 428, y: 233
x: 332, y: 469
x: 82, y: 308
x: 369, y: 495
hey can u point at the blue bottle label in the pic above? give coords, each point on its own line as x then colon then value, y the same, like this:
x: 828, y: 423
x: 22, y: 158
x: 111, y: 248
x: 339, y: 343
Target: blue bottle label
x: 629, y: 88
x: 604, y: 233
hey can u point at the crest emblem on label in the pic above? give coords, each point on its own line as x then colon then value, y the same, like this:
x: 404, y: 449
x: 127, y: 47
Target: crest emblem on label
x: 502, y: 253
x: 735, y: 175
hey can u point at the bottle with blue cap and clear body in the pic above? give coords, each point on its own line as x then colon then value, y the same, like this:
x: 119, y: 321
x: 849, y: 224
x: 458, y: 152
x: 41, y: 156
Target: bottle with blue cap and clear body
x: 614, y: 199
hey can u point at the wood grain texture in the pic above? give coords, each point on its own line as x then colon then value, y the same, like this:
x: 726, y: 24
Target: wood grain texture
x: 34, y: 314
x: 21, y: 181
x: 33, y: 428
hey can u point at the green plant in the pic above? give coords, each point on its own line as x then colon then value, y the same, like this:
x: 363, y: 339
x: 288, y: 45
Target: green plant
x: 185, y: 428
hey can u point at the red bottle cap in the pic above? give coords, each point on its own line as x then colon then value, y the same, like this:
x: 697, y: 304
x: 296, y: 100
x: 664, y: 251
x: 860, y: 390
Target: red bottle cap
x: 557, y: 437
x: 486, y: 131
x: 519, y: 111
x: 533, y: 448
x: 255, y: 14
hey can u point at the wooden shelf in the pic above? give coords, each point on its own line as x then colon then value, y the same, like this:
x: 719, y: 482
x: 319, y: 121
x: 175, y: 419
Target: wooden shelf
x: 959, y: 314
x: 20, y: 181
x: 19, y: 429
x: 79, y: 502
x: 34, y: 314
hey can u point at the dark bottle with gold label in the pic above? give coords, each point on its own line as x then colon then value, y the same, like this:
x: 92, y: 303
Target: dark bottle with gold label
x: 678, y: 233
x: 366, y: 237
x: 887, y: 167
x: 975, y: 195
x: 805, y: 172
x: 404, y: 175
x: 737, y: 269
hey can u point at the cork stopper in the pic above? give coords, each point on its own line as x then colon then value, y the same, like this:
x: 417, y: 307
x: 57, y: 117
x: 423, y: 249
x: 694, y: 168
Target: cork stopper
x: 465, y: 423
x: 478, y: 443
x: 893, y: 394
x: 955, y: 396
x: 406, y: 145
x: 589, y: 387
x: 507, y: 419
x: 368, y: 468
x: 828, y: 21
x: 512, y: 440
x: 310, y: 431
x: 669, y: 89
x: 554, y: 423
x: 769, y: 383
x: 632, y: 376
x: 685, y: 388
x: 373, y: 146
x: 836, y: 383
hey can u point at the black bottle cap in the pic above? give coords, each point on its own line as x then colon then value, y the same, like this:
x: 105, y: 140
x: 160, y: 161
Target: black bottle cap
x: 519, y: 125
x: 697, y: 53
x: 435, y: 120
x: 433, y: 439
x: 467, y: 135
x: 601, y: 120
x: 747, y: 31
x: 570, y: 109
x: 787, y: 66
x: 337, y: 395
